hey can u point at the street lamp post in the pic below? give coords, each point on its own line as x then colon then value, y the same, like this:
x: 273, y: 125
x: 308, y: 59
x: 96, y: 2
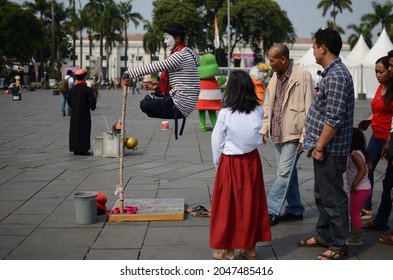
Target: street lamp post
x: 53, y: 34
x: 114, y: 67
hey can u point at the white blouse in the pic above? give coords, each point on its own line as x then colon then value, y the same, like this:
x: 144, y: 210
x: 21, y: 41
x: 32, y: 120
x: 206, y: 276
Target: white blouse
x: 236, y: 133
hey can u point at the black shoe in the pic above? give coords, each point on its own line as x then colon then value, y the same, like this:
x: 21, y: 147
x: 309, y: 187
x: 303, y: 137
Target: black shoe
x: 273, y: 220
x: 289, y: 217
x: 82, y: 153
x: 63, y: 114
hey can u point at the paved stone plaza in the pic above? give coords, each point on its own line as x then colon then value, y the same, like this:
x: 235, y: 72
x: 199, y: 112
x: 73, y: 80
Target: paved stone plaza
x: 38, y: 177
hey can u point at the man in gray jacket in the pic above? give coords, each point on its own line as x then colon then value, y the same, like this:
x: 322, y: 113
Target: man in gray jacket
x: 287, y: 100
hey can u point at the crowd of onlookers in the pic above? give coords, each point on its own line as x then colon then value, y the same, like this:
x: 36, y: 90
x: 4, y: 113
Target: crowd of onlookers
x: 110, y: 83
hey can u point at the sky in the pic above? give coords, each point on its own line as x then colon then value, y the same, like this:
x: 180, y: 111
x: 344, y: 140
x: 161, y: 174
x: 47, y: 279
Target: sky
x: 304, y: 15
x: 307, y: 19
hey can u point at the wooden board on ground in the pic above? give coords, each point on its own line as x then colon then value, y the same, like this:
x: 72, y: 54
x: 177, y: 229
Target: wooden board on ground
x: 159, y: 209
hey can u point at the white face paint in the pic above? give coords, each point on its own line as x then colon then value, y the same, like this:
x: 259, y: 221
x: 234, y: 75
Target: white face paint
x: 169, y: 41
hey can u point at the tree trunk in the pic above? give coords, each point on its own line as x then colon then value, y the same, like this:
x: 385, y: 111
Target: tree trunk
x: 58, y: 53
x: 53, y: 35
x: 90, y: 44
x: 102, y: 54
x: 80, y: 49
x: 73, y: 50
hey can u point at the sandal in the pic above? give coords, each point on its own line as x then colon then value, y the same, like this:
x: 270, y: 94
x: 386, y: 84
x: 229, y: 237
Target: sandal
x: 374, y: 226
x: 197, y: 208
x: 366, y: 214
x: 201, y: 212
x: 220, y: 254
x: 386, y: 239
x: 317, y: 243
x: 244, y: 254
x: 333, y: 255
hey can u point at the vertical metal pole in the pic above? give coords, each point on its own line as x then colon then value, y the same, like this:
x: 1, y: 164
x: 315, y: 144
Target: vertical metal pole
x: 229, y: 36
x: 361, y: 78
x: 137, y: 57
x: 53, y: 35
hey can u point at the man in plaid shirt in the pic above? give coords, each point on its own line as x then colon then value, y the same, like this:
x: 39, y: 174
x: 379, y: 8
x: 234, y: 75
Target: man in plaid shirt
x: 328, y: 140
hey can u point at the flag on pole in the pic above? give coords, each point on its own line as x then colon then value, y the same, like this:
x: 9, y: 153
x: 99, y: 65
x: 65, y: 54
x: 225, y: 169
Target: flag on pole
x: 216, y: 36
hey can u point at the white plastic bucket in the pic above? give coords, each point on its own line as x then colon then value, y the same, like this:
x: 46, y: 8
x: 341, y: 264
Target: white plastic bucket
x: 110, y: 145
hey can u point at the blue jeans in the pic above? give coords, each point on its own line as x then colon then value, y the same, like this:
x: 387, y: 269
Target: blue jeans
x: 332, y: 201
x: 385, y: 207
x: 374, y: 150
x: 135, y: 87
x: 286, y: 184
x: 64, y: 104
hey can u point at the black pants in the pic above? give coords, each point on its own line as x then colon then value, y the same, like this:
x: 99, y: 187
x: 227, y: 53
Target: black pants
x: 157, y: 105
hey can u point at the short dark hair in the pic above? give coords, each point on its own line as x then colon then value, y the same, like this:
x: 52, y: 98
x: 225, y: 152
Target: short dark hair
x: 240, y: 93
x: 330, y: 38
x: 390, y: 54
x: 281, y: 50
x: 69, y: 72
x: 359, y: 142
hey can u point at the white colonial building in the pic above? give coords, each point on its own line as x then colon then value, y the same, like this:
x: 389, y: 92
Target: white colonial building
x: 138, y: 57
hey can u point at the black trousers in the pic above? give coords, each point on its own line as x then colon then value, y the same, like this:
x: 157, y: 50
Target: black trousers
x: 158, y: 105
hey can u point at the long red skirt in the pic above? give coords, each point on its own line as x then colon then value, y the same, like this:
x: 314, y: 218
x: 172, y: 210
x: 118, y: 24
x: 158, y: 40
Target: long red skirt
x: 239, y: 216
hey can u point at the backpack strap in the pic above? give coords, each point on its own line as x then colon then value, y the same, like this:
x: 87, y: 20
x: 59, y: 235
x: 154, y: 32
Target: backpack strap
x: 67, y: 84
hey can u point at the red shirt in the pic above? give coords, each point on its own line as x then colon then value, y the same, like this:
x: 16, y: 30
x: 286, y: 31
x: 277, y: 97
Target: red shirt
x: 382, y: 116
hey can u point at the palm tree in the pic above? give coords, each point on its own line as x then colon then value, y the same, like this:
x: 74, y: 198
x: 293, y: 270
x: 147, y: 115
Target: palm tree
x: 151, y: 39
x: 38, y: 6
x: 73, y: 28
x: 110, y: 28
x: 41, y: 7
x: 383, y: 15
x: 361, y: 29
x: 60, y: 14
x: 127, y: 15
x: 337, y: 5
x: 89, y: 15
x: 94, y: 9
x: 338, y: 28
x: 82, y: 22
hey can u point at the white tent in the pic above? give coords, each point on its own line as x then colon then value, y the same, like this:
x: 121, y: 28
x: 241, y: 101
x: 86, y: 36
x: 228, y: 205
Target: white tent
x: 307, y: 61
x: 366, y: 67
x: 355, y: 56
x: 358, y: 52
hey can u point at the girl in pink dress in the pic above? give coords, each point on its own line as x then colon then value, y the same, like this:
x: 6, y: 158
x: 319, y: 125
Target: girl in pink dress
x: 358, y: 184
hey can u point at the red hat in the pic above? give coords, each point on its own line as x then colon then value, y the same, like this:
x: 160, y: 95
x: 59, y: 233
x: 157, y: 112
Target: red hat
x: 101, y: 201
x: 80, y: 72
